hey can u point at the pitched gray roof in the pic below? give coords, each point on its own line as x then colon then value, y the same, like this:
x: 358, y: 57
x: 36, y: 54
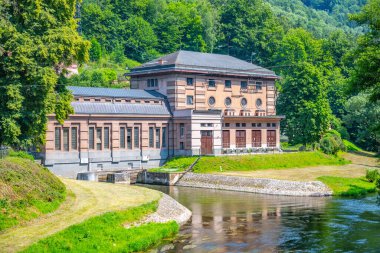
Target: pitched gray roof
x: 120, y: 108
x: 198, y: 62
x: 116, y: 93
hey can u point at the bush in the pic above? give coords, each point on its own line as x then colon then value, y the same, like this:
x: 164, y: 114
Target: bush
x: 372, y: 175
x: 21, y: 154
x: 331, y: 143
x: 315, y: 146
x: 378, y: 183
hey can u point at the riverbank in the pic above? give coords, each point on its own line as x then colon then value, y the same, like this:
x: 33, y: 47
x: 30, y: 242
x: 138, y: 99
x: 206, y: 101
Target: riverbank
x: 255, y: 185
x: 85, y: 200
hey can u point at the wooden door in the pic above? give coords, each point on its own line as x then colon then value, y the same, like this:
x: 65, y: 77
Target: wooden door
x: 240, y: 139
x: 226, y: 138
x: 256, y: 138
x: 206, y: 142
x: 271, y: 138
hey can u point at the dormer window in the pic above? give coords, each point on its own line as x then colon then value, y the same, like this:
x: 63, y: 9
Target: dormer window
x: 189, y: 81
x: 152, y: 83
x: 211, y: 83
x: 259, y: 85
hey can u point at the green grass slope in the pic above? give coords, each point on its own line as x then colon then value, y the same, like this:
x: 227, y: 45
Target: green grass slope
x: 269, y: 161
x: 106, y: 233
x: 348, y: 187
x: 27, y: 190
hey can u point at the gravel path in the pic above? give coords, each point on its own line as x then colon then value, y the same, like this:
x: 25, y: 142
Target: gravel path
x: 256, y: 185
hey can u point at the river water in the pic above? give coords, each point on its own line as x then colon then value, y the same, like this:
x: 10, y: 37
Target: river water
x: 226, y: 221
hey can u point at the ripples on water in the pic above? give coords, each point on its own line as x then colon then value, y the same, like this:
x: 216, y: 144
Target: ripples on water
x: 225, y: 221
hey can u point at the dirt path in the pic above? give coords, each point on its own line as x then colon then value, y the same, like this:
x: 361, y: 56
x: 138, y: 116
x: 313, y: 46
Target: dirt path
x: 90, y: 199
x: 360, y: 162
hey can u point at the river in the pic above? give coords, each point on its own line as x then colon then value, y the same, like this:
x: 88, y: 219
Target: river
x: 226, y: 221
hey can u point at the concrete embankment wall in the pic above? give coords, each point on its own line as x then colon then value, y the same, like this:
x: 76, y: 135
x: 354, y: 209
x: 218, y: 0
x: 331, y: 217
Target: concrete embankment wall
x: 158, y: 178
x: 255, y: 185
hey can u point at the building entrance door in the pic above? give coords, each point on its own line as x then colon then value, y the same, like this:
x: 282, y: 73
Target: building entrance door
x: 240, y: 139
x: 226, y: 138
x: 206, y: 142
x: 256, y: 138
x: 271, y: 138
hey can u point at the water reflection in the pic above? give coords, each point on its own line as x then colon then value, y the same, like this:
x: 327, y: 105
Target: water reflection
x: 226, y: 221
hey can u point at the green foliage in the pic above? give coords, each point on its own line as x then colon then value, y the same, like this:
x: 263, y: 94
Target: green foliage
x: 262, y: 162
x: 362, y: 120
x: 351, y: 146
x: 365, y: 75
x: 348, y: 187
x: 27, y: 190
x: 106, y: 233
x: 331, y: 143
x: 21, y: 154
x: 95, y: 50
x: 372, y: 175
x: 38, y: 39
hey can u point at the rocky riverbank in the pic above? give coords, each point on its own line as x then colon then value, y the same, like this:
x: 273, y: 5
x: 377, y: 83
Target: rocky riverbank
x: 255, y: 185
x: 168, y: 210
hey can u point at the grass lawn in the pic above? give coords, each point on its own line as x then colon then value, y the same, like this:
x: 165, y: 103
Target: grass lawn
x: 350, y: 187
x: 106, y: 233
x: 176, y: 164
x: 264, y: 162
x: 27, y: 191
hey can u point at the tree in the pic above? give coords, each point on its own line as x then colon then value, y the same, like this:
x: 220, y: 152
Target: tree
x: 95, y: 50
x: 249, y: 30
x: 37, y: 40
x: 303, y: 87
x: 366, y: 73
x: 303, y: 99
x: 362, y: 120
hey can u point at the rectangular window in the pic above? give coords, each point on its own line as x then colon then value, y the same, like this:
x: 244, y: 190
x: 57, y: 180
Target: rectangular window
x: 181, y: 145
x: 243, y: 125
x: 151, y: 136
x: 129, y: 138
x: 74, y: 138
x: 237, y: 124
x: 152, y: 83
x: 136, y: 137
x: 211, y: 83
x: 57, y: 138
x: 181, y: 130
x: 273, y: 124
x: 106, y: 138
x: 158, y: 136
x: 259, y: 85
x: 189, y: 81
x: 227, y: 84
x: 227, y: 124
x: 164, y: 137
x: 66, y: 139
x: 253, y: 124
x: 258, y: 124
x: 189, y: 100
x: 268, y: 124
x: 122, y: 137
x: 243, y: 85
x: 98, y: 138
x: 91, y: 138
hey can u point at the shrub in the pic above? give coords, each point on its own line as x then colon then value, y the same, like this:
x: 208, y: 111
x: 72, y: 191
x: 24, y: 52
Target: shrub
x: 331, y: 143
x: 372, y: 175
x: 378, y: 183
x: 315, y: 146
x: 302, y: 148
x: 21, y: 154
